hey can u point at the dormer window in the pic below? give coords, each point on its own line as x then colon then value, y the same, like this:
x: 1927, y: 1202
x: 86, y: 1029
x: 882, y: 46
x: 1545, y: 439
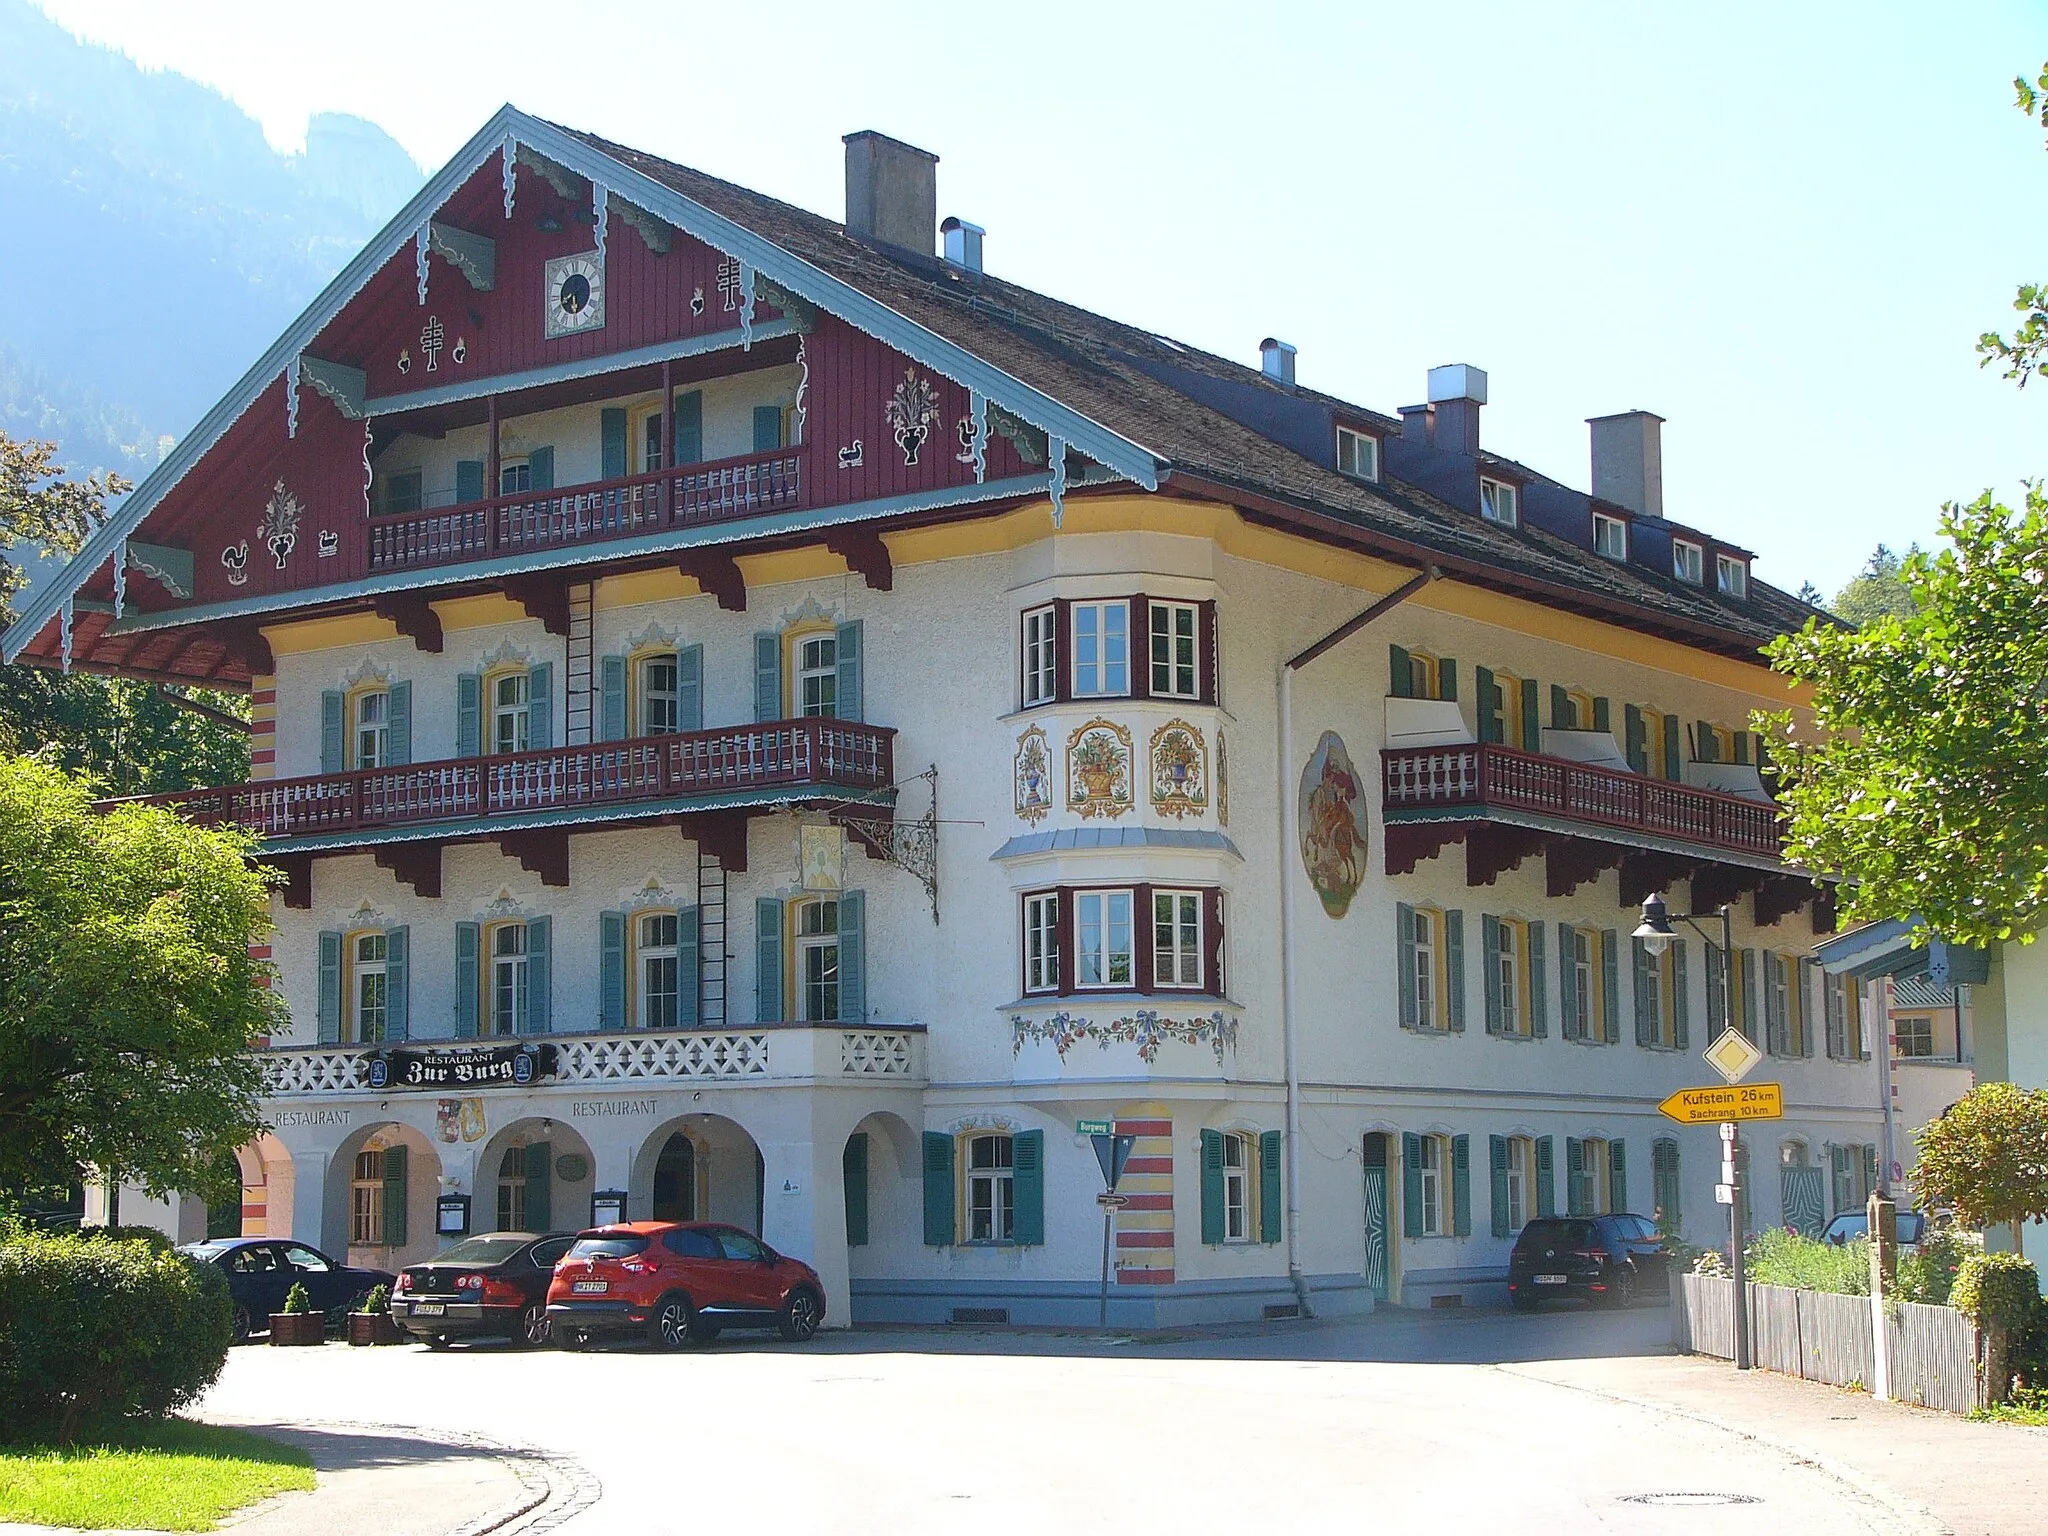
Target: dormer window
x: 1499, y: 502
x: 1610, y: 536
x: 1358, y: 454
x: 1731, y: 576
x: 1686, y: 562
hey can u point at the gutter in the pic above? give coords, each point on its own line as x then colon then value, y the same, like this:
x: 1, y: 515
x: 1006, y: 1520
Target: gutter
x: 1290, y: 838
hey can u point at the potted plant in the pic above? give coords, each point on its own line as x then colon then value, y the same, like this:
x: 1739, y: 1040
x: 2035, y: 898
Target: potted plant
x: 298, y: 1323
x: 372, y: 1322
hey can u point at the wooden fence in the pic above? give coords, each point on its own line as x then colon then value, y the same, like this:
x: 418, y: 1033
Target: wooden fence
x: 1824, y: 1337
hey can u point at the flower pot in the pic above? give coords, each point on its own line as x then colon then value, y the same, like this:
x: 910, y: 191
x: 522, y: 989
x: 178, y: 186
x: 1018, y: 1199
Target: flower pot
x: 294, y: 1328
x: 368, y: 1328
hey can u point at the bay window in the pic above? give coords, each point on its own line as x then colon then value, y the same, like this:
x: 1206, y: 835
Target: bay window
x: 1086, y: 939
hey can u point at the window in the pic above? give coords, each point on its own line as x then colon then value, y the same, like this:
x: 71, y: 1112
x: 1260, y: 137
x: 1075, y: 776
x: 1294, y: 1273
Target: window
x: 1590, y: 1001
x: 1237, y: 1188
x: 1853, y: 1172
x: 1174, y: 669
x: 817, y: 675
x: 366, y: 1200
x: 509, y: 722
x: 372, y: 728
x: 1509, y: 712
x: 1731, y: 576
x: 1176, y: 939
x: 660, y: 703
x: 508, y: 978
x: 1661, y: 1004
x: 1785, y: 1005
x: 1358, y: 454
x: 1102, y: 939
x: 1042, y: 943
x: 405, y: 491
x: 1520, y: 1182
x: 1610, y: 536
x: 1915, y: 1036
x: 515, y: 477
x: 817, y: 960
x: 655, y: 947
x: 1592, y: 1177
x: 512, y: 1191
x: 1508, y: 972
x: 648, y: 440
x: 1498, y: 502
x: 991, y: 1197
x: 1041, y: 675
x: 1424, y: 970
x: 1843, y: 1001
x: 1436, y: 1178
x: 1685, y: 561
x: 369, y: 954
x: 1102, y: 666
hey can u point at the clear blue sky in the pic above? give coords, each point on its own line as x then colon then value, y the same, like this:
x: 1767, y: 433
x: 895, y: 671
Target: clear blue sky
x: 1779, y: 226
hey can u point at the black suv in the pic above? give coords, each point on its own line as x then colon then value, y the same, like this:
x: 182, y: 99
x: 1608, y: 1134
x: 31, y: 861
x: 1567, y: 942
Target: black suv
x: 1612, y: 1259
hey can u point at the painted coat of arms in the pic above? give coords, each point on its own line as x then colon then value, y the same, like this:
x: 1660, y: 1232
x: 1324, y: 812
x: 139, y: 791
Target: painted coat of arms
x: 1033, y: 772
x: 1180, y: 770
x: 912, y: 411
x: 1099, y: 769
x: 1333, y: 828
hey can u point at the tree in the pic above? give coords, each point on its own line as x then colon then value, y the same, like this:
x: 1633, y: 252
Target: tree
x: 128, y: 998
x: 39, y: 507
x: 1876, y: 590
x: 2025, y: 351
x: 1987, y: 1158
x: 1923, y: 776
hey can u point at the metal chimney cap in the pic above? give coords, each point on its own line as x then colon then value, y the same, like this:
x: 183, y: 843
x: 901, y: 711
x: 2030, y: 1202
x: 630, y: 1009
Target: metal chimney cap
x: 1457, y: 381
x: 1276, y: 360
x: 961, y: 242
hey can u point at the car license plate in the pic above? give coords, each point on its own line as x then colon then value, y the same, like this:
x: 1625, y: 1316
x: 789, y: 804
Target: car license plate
x: 428, y: 1308
x: 1550, y: 1279
x: 588, y: 1287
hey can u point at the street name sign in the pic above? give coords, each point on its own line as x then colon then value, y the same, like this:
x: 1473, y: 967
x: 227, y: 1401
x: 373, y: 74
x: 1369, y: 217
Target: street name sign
x: 1093, y: 1128
x: 1703, y: 1106
x: 1732, y: 1055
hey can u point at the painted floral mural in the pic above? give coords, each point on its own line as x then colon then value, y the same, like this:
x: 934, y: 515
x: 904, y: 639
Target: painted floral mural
x: 1180, y: 770
x: 1099, y: 769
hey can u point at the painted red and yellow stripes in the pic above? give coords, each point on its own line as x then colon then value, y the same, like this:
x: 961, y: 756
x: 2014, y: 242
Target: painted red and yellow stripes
x: 1144, y: 1228
x: 263, y: 727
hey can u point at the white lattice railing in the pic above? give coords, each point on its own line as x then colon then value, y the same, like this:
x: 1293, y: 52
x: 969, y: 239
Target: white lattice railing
x: 761, y: 1054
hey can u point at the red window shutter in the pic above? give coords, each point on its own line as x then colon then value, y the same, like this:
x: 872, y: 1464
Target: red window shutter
x: 1141, y: 647
x: 1212, y: 941
x: 1062, y: 672
x: 1141, y: 938
x: 1065, y: 917
x: 1208, y: 655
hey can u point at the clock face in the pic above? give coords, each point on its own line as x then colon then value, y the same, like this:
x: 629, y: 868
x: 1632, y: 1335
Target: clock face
x: 574, y: 300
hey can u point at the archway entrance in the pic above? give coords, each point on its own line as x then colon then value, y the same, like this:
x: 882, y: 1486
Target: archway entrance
x: 676, y: 1197
x: 698, y: 1168
x: 535, y: 1175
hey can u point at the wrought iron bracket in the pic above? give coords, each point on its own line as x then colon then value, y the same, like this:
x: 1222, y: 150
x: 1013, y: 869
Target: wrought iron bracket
x: 912, y: 846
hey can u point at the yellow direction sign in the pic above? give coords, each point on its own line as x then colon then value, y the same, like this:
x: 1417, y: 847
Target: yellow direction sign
x: 1747, y: 1101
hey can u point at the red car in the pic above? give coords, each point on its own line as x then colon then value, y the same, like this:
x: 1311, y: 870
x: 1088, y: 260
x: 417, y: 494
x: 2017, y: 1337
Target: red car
x: 676, y: 1282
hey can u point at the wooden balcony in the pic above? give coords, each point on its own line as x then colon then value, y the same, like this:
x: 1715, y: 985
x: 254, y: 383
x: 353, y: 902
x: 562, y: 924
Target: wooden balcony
x: 688, y: 496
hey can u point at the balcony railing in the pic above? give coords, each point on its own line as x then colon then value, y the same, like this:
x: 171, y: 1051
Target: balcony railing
x: 838, y: 754
x: 687, y: 496
x: 1487, y: 778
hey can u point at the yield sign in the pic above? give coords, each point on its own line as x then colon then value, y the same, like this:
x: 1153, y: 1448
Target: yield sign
x: 1113, y: 1152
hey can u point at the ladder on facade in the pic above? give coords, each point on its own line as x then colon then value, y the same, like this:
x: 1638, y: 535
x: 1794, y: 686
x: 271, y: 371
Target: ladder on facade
x: 579, y: 682
x: 711, y: 950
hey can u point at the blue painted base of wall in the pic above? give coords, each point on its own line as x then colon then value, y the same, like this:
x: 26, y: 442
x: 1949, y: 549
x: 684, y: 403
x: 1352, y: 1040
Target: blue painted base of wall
x: 1076, y: 1304
x: 1477, y: 1287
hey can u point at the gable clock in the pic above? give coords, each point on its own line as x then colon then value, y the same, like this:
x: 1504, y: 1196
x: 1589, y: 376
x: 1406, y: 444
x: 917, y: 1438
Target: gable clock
x: 574, y: 296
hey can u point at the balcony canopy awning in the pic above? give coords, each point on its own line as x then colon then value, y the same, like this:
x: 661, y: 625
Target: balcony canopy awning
x: 1888, y: 949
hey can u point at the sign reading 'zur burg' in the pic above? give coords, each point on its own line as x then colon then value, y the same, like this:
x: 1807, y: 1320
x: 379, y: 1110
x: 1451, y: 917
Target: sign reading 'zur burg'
x: 512, y: 1065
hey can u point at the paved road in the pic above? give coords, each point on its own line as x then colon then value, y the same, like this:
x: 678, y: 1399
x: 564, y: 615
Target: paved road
x: 1562, y: 1422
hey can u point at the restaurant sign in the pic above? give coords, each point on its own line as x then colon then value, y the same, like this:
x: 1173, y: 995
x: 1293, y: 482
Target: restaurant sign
x: 477, y: 1067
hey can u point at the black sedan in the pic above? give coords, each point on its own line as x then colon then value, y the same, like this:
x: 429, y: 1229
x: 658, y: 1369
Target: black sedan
x: 1611, y: 1259
x: 493, y: 1286
x: 261, y: 1270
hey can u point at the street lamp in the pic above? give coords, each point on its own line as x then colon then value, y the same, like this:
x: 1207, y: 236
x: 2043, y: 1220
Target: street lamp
x: 1656, y: 933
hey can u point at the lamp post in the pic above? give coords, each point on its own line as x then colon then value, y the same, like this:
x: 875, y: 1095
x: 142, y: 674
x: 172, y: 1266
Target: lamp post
x: 1656, y: 934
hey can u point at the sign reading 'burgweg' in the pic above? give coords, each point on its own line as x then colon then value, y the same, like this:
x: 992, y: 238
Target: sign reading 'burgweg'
x: 507, y: 1065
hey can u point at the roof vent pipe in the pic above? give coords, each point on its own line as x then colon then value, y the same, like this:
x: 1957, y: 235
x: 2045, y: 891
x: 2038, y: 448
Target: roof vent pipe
x: 1628, y: 461
x: 1276, y: 361
x: 963, y: 244
x: 892, y: 192
x: 1456, y: 391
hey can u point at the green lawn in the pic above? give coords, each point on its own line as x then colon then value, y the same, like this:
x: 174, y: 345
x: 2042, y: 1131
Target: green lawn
x: 171, y: 1475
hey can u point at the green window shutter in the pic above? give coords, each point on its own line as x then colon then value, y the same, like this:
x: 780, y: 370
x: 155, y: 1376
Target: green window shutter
x: 397, y: 944
x: 469, y: 714
x: 1574, y: 1177
x: 398, y: 725
x: 1461, y: 1185
x: 1546, y: 1177
x: 1454, y: 968
x: 1617, y: 1175
x: 1533, y: 972
x: 1645, y: 983
x: 939, y: 1198
x: 333, y: 709
x: 611, y: 436
x: 1804, y: 1002
x: 848, y: 651
x: 1489, y: 969
x: 853, y: 1175
x: 853, y: 990
x: 1774, y: 1018
x: 611, y: 970
x: 540, y: 1205
x: 1404, y: 947
x: 327, y: 1011
x: 1667, y: 1185
x: 1411, y: 1184
x: 767, y: 677
x: 689, y: 965
x: 768, y: 961
x: 1746, y: 959
x: 1837, y: 1020
x: 395, y: 1234
x: 1567, y: 981
x: 1271, y: 1210
x: 1212, y: 1186
x: 539, y: 992
x: 540, y: 469
x: 1027, y: 1187
x: 1497, y: 1164
x: 689, y: 434
x: 1603, y: 715
x: 611, y: 698
x: 690, y: 688
x: 1636, y: 743
x: 1610, y: 980
x: 1532, y: 717
x: 1681, y: 1004
x: 1564, y: 715
x: 1869, y: 1167
x: 1706, y: 746
x: 1674, y: 767
x: 469, y: 480
x: 1447, y: 680
x: 1487, y: 699
x: 1400, y: 676
x: 540, y: 712
x: 1742, y: 747
x: 767, y: 428
x: 466, y: 1001
x: 1716, y: 986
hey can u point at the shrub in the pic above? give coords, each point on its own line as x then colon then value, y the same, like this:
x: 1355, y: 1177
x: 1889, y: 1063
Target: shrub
x: 1781, y: 1256
x: 1996, y: 1291
x: 93, y: 1329
x: 296, y: 1300
x: 378, y: 1300
x: 1929, y: 1275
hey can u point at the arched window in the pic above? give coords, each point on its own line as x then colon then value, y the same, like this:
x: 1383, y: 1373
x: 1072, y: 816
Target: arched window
x: 366, y: 1200
x: 654, y: 945
x: 1239, y: 1160
x: 817, y: 960
x: 991, y: 1197
x: 512, y: 1190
